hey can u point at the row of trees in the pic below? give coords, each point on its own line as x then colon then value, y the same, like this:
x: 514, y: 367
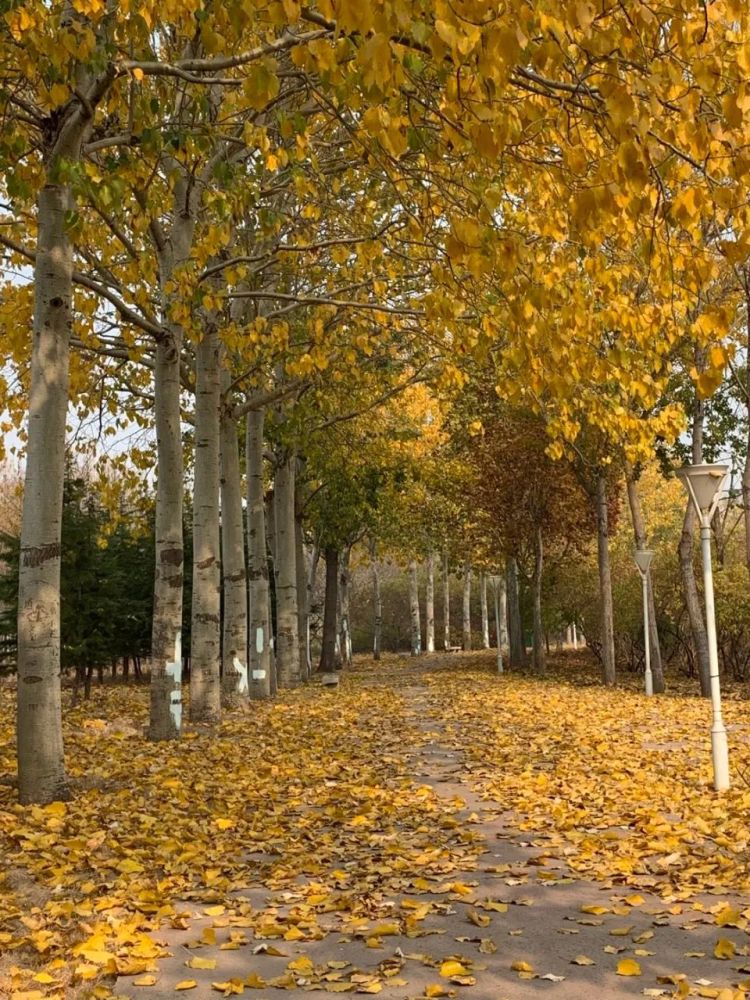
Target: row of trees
x: 262, y: 223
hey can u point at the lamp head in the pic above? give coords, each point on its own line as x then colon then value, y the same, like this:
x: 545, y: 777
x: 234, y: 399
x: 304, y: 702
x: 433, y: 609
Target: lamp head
x: 643, y: 559
x: 704, y: 484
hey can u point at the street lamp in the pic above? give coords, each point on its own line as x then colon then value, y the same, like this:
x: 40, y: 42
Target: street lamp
x: 643, y: 559
x: 704, y: 484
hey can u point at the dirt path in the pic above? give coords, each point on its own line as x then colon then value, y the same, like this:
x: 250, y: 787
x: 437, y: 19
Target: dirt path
x: 514, y: 923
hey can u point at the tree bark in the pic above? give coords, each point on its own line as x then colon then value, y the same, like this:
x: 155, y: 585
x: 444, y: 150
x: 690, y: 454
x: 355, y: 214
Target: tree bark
x: 483, y: 606
x: 287, y: 620
x: 609, y: 670
x: 205, y: 643
x: 429, y: 604
x: 345, y: 633
x: 416, y: 625
x: 303, y: 598
x: 41, y: 767
x: 259, y: 638
x: 166, y: 633
x: 328, y: 660
x: 687, y: 569
x: 466, y: 609
x: 501, y: 623
x: 517, y: 651
x: 235, y: 679
x: 538, y: 654
x: 446, y: 603
x: 377, y: 603
x: 639, y: 531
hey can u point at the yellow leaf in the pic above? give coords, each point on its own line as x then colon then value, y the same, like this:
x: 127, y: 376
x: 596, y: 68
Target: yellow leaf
x: 436, y: 991
x: 724, y: 949
x: 452, y: 968
x: 596, y: 910
x: 582, y: 960
x: 201, y: 963
x: 302, y: 964
x: 224, y: 824
x: 635, y: 899
x: 145, y: 981
x: 522, y: 967
x: 186, y: 984
x: 628, y: 967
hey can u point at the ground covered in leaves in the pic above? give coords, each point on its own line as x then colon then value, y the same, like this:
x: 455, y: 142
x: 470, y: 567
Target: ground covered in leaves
x: 429, y: 830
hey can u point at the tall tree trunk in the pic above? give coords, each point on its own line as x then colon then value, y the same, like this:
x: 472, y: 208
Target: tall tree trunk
x: 501, y: 624
x: 639, y: 531
x: 345, y: 630
x: 446, y: 602
x: 235, y: 677
x: 609, y: 671
x: 287, y: 621
x: 539, y: 660
x: 517, y: 651
x: 303, y: 598
x: 416, y: 625
x: 166, y: 638
x: 466, y: 609
x: 746, y: 389
x: 205, y: 639
x: 498, y: 620
x: 483, y: 606
x: 166, y: 632
x: 377, y: 603
x: 429, y: 603
x: 41, y: 767
x: 259, y: 637
x: 328, y: 660
x: 687, y: 569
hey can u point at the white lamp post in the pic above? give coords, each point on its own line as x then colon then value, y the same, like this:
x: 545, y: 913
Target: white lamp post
x: 704, y: 484
x: 643, y: 559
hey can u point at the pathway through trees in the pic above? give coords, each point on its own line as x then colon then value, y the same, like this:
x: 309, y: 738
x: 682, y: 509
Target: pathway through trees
x: 429, y: 829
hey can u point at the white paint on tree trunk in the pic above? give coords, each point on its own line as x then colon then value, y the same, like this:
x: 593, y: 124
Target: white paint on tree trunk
x: 259, y: 638
x: 241, y: 670
x: 259, y: 675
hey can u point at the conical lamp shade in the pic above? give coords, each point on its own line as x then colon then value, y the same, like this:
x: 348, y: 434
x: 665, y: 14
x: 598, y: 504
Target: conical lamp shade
x: 643, y: 559
x: 703, y: 482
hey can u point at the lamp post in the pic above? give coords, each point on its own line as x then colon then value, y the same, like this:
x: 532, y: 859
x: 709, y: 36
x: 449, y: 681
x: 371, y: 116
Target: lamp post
x: 643, y: 559
x: 704, y: 484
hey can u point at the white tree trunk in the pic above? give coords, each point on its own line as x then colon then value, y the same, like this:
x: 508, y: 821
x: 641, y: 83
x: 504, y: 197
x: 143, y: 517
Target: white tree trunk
x: 377, y: 603
x: 235, y: 680
x: 517, y: 648
x: 166, y: 630
x: 205, y: 645
x: 574, y: 635
x: 166, y: 664
x: 303, y: 599
x: 344, y: 594
x: 259, y: 646
x: 429, y: 604
x: 466, y: 617
x: 287, y: 621
x: 498, y: 629
x: 605, y: 582
x: 483, y: 605
x: 639, y: 531
x: 446, y: 602
x: 416, y: 626
x: 501, y: 588
x: 41, y: 767
x: 539, y: 657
